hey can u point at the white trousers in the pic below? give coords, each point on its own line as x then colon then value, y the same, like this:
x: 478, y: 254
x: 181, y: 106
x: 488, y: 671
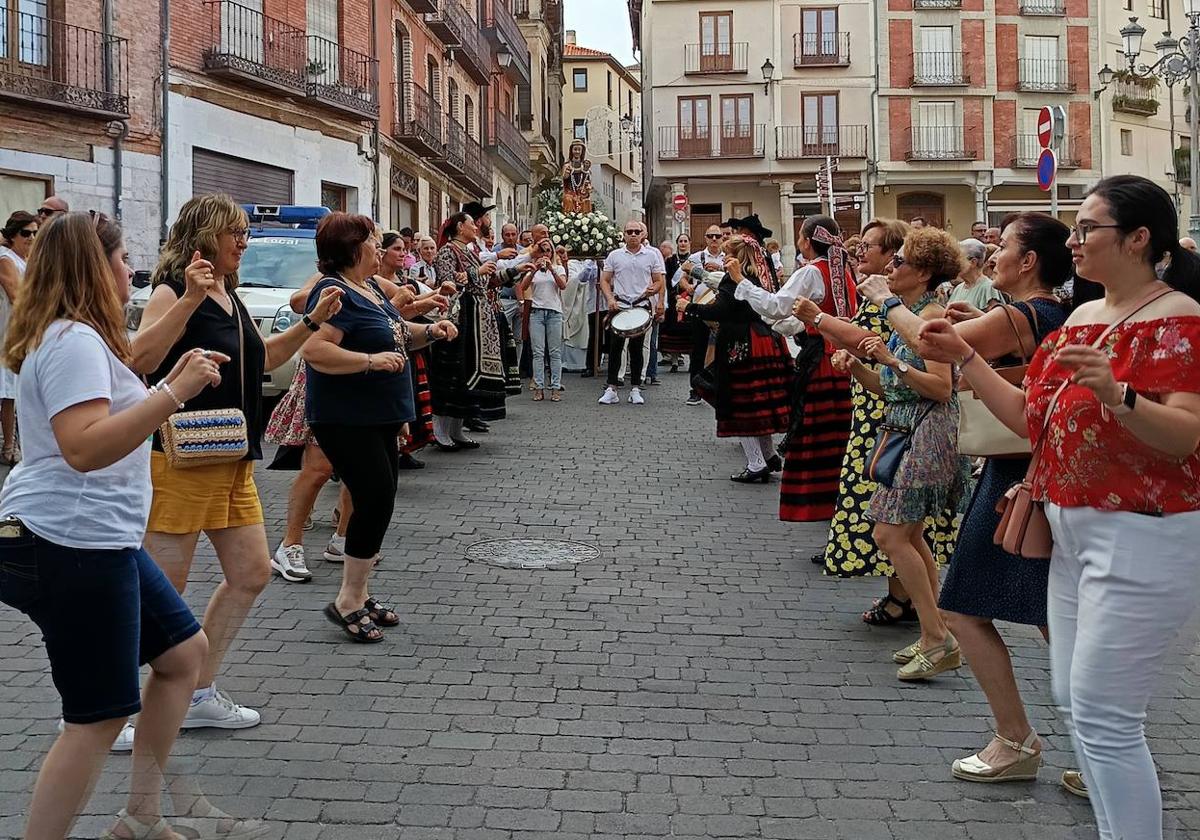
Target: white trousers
x: 1122, y: 586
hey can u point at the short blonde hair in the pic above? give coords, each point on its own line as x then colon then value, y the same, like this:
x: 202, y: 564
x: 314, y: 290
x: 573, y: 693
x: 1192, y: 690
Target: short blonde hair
x: 201, y: 220
x: 932, y: 249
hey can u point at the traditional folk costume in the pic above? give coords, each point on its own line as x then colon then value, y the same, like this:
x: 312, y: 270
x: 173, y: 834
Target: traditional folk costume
x: 467, y: 374
x: 747, y: 383
x: 420, y: 430
x: 675, y: 336
x: 820, y: 404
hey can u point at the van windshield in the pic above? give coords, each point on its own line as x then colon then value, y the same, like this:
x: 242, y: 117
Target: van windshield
x: 278, y: 262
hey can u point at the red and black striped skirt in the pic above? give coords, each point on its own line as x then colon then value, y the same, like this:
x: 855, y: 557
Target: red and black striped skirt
x: 758, y: 395
x: 813, y: 460
x: 420, y: 430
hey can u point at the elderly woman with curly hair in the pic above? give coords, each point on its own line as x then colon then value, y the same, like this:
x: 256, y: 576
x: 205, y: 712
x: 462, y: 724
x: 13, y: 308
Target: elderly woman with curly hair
x: 931, y: 476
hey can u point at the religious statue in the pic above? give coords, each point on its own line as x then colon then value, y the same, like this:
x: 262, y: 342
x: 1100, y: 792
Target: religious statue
x: 577, y: 180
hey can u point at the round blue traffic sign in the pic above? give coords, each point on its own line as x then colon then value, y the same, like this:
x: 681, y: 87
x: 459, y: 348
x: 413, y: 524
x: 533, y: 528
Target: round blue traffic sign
x: 1047, y: 167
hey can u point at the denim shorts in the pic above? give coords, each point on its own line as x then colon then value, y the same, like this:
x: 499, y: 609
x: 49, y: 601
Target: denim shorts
x: 102, y: 613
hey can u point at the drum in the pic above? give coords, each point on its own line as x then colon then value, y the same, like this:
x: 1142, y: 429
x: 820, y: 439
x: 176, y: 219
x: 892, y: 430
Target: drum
x: 630, y: 323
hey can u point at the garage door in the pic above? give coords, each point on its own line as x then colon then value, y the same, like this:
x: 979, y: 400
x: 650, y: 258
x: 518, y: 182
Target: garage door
x: 246, y: 181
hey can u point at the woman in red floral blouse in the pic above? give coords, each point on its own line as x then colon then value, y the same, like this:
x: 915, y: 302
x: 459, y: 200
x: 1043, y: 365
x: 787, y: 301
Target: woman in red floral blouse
x: 1120, y: 476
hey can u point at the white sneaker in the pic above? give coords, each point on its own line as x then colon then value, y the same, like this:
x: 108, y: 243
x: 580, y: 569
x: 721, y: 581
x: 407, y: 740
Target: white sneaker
x: 288, y: 561
x: 610, y: 397
x: 635, y: 396
x: 335, y: 552
x: 124, y: 742
x: 219, y: 712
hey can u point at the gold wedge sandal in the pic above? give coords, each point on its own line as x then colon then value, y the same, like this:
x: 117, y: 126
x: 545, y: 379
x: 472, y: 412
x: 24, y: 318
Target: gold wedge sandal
x: 974, y: 769
x: 922, y: 667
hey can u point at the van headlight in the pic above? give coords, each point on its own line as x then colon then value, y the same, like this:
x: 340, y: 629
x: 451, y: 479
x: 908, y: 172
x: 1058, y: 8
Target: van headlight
x: 133, y: 317
x: 284, y: 319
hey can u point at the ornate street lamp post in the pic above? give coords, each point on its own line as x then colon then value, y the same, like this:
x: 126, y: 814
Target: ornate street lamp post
x: 1178, y: 60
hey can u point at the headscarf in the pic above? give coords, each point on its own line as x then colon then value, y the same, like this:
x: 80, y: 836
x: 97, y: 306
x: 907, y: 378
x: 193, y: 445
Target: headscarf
x: 838, y: 257
x: 766, y: 277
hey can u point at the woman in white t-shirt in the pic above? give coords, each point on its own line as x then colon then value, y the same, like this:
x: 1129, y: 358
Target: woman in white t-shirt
x: 17, y: 235
x: 546, y: 277
x: 72, y: 517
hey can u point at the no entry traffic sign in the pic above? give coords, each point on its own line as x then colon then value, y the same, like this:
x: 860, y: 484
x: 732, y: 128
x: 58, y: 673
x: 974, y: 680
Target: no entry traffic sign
x: 680, y: 202
x: 1045, y: 128
x: 1047, y: 167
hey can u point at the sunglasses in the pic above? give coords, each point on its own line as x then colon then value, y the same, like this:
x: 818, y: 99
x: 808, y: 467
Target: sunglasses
x: 633, y: 233
x: 28, y: 234
x: 712, y: 236
x: 45, y: 211
x: 898, y: 261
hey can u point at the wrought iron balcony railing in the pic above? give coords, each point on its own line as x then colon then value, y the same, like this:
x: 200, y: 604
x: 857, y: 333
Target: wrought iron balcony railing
x: 1129, y: 98
x: 1044, y: 75
x: 937, y: 4
x: 939, y: 69
x: 795, y: 142
x: 421, y: 6
x: 1027, y: 149
x: 1056, y: 8
x: 456, y: 28
x: 54, y: 64
x: 456, y: 148
x: 254, y: 48
x: 821, y: 49
x: 476, y: 176
x: 729, y: 57
x: 501, y: 28
x: 419, y: 122
x: 509, y: 147
x: 702, y: 142
x: 341, y: 78
x: 938, y: 142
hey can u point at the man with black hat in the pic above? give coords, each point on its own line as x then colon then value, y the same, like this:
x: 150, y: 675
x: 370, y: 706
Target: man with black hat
x: 752, y: 226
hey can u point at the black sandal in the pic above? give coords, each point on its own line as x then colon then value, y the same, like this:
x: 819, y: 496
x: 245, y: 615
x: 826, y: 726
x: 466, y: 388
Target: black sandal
x: 381, y: 614
x: 357, y: 625
x: 879, y: 616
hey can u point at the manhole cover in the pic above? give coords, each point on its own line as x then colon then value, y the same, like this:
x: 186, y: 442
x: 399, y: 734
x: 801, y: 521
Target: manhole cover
x: 532, y: 554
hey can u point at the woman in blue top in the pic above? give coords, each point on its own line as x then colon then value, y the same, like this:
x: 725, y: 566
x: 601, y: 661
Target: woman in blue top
x: 359, y: 395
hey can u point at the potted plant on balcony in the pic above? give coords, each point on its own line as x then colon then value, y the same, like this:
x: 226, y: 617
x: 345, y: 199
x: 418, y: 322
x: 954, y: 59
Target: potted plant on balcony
x: 1137, y: 94
x: 314, y: 70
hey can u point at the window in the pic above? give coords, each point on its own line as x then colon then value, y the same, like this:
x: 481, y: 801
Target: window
x: 1158, y: 9
x: 579, y: 78
x: 1040, y: 67
x: 819, y: 36
x: 629, y: 108
x: 333, y: 196
x: 1126, y: 142
x: 610, y: 100
x: 403, y: 62
x: 469, y: 116
x: 29, y: 19
x: 695, y: 126
x: 820, y: 114
x: 741, y: 211
x: 435, y: 209
x: 935, y: 135
x: 323, y: 52
x: 936, y: 60
x: 608, y: 128
x: 452, y: 100
x: 433, y: 80
x: 737, y: 124
x: 1028, y: 146
x: 716, y: 42
x: 579, y: 129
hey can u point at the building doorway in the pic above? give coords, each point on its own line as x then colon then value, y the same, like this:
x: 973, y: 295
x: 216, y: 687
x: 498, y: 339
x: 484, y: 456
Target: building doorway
x: 930, y: 206
x: 703, y: 215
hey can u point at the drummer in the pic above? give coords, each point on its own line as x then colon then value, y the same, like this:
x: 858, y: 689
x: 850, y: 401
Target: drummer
x: 633, y: 275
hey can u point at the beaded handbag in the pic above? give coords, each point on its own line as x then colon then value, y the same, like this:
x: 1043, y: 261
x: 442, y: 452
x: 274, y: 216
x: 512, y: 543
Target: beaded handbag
x: 209, y: 436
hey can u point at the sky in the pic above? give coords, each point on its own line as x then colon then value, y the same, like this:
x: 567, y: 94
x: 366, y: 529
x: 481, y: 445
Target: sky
x: 601, y: 25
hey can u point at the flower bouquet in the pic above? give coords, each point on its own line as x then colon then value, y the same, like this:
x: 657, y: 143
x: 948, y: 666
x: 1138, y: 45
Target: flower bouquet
x: 583, y: 234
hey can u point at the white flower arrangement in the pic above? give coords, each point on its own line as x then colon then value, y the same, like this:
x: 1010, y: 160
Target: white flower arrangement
x: 583, y: 234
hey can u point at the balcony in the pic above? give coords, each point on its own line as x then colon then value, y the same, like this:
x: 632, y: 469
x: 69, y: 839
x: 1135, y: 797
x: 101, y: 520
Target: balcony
x: 698, y: 143
x: 341, y: 78
x: 937, y: 4
x: 455, y: 27
x: 548, y: 135
x: 254, y: 49
x: 501, y: 29
x: 1046, y: 8
x: 455, y: 164
x: 508, y: 147
x: 419, y: 126
x: 937, y: 143
x: 520, y: 9
x: 715, y: 58
x: 1027, y: 150
x: 1130, y: 98
x: 1044, y: 75
x: 939, y: 69
x: 795, y: 142
x: 821, y: 49
x: 476, y: 176
x: 53, y: 64
x: 422, y: 6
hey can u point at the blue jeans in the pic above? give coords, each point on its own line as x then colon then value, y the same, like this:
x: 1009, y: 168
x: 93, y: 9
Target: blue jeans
x: 652, y: 364
x: 545, y: 329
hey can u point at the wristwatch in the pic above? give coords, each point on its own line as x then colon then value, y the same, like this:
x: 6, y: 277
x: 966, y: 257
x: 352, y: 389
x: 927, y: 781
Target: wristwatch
x: 902, y: 368
x: 310, y: 323
x: 1128, y: 400
x: 816, y: 322
x: 890, y: 304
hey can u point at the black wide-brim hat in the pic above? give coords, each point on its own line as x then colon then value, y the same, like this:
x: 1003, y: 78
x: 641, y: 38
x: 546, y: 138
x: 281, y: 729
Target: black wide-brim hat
x: 476, y: 210
x: 753, y: 226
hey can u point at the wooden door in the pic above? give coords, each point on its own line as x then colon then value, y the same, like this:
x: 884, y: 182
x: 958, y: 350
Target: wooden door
x: 737, y: 125
x: 716, y: 42
x: 703, y: 216
x: 819, y: 36
x: 695, y: 127
x: 820, y: 111
x: 929, y: 206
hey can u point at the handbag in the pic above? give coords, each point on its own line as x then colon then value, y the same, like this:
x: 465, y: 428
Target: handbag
x: 980, y: 433
x: 892, y: 442
x: 209, y: 436
x: 1024, y: 529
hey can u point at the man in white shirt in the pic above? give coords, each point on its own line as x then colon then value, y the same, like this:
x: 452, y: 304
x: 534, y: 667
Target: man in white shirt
x: 633, y: 275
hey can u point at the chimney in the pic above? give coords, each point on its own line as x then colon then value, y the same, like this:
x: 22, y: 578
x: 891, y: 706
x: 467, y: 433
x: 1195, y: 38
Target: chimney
x: 570, y: 36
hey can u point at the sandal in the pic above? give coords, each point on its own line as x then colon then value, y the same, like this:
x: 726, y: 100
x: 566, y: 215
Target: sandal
x: 556, y: 396
x: 1025, y: 768
x: 357, y: 625
x: 538, y: 395
x: 211, y: 823
x: 139, y: 830
x: 879, y: 616
x: 922, y: 666
x: 381, y: 614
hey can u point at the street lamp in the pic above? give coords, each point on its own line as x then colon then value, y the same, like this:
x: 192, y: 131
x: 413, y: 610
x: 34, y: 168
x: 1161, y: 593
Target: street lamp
x: 504, y: 57
x: 1177, y: 60
x: 768, y: 71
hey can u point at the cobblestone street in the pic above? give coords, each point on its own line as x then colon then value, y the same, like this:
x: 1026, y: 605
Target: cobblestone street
x: 699, y: 679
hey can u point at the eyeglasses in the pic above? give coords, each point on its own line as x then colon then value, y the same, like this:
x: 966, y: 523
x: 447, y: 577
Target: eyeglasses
x: 1081, y: 232
x: 898, y: 261
x: 239, y: 233
x: 28, y: 234
x: 712, y: 236
x: 45, y: 211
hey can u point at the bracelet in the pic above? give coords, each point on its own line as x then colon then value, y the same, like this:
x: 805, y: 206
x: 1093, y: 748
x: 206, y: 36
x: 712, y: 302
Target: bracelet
x: 967, y: 359
x: 166, y: 389
x: 310, y: 323
x: 429, y: 337
x: 368, y: 370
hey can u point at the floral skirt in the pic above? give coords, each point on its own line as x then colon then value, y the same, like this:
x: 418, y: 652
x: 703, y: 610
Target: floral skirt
x: 287, y: 426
